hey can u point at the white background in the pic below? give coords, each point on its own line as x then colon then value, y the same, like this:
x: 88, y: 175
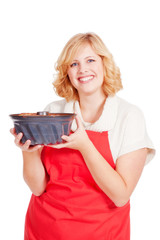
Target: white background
x: 33, y: 33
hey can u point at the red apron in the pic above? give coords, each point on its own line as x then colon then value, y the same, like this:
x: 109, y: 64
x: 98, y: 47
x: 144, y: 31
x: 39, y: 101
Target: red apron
x: 73, y: 207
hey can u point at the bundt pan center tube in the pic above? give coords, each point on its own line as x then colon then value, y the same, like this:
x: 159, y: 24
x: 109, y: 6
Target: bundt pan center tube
x: 43, y: 127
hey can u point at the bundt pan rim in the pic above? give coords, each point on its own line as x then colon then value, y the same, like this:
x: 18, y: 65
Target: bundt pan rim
x: 43, y: 129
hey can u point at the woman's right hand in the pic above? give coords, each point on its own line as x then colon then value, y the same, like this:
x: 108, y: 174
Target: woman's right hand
x: 26, y: 147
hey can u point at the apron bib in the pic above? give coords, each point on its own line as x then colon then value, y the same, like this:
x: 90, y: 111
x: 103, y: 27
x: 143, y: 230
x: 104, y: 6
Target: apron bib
x: 73, y: 207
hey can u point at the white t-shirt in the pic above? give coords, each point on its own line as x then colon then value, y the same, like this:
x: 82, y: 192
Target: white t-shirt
x: 124, y: 122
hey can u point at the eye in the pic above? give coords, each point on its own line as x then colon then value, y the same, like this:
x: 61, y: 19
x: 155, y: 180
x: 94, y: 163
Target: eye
x: 91, y: 60
x: 74, y: 64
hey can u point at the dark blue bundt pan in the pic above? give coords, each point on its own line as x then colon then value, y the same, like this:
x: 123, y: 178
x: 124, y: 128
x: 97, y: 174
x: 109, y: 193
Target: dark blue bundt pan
x: 43, y: 127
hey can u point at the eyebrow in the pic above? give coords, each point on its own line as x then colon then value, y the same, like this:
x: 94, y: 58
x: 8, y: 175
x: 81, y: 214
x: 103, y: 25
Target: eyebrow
x: 84, y: 58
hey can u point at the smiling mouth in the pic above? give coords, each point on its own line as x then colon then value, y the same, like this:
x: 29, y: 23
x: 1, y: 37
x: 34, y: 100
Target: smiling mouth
x: 85, y: 79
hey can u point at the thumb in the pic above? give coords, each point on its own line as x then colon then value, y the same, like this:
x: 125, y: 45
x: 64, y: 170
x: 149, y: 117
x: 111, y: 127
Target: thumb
x: 78, y: 121
x: 65, y: 138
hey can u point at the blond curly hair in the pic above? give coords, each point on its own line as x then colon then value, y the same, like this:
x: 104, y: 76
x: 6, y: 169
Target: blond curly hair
x: 112, y: 79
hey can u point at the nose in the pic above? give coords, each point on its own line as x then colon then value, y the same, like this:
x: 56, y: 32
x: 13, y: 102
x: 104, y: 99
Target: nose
x: 82, y: 67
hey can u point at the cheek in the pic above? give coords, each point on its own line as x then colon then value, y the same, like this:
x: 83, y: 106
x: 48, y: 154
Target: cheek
x: 71, y: 74
x: 100, y: 70
x: 71, y: 77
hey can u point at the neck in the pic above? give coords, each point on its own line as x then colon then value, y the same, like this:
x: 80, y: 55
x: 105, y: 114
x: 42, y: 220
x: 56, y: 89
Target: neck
x: 92, y: 107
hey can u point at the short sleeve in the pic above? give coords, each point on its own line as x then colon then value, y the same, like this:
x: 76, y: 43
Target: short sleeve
x: 135, y: 134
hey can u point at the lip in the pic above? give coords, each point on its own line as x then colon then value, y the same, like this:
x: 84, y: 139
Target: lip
x: 85, y: 79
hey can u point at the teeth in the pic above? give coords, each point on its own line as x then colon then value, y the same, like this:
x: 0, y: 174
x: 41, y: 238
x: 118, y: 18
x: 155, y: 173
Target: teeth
x: 85, y: 78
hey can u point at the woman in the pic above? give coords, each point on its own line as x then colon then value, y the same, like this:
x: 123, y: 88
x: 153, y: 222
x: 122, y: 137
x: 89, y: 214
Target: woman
x: 81, y: 188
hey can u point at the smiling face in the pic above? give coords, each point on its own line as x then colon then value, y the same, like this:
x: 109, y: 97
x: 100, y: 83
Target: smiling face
x: 86, y: 71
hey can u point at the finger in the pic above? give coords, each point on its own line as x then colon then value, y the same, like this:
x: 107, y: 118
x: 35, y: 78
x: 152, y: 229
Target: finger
x: 18, y: 138
x: 59, y: 146
x: 26, y: 145
x: 66, y: 138
x: 78, y: 121
x: 37, y: 147
x: 13, y: 131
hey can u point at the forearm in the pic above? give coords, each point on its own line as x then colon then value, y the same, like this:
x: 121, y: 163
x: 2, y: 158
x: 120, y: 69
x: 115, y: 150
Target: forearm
x: 34, y: 172
x: 119, y: 183
x: 105, y: 176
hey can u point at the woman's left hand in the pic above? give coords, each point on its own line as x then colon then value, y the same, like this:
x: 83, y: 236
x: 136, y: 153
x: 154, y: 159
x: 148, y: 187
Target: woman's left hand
x: 77, y: 140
